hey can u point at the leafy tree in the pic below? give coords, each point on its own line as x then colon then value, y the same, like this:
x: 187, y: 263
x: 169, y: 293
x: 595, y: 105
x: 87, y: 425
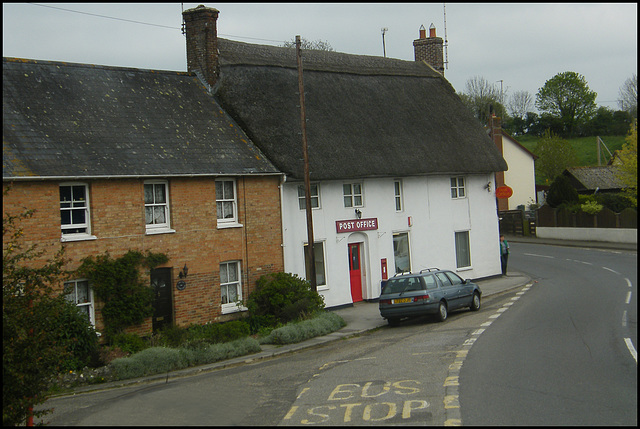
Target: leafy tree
x: 561, y: 192
x: 606, y: 122
x: 567, y: 96
x: 629, y: 167
x: 36, y: 343
x: 628, y: 96
x: 317, y: 45
x: 554, y: 156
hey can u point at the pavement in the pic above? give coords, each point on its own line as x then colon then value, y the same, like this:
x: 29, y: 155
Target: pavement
x: 361, y: 317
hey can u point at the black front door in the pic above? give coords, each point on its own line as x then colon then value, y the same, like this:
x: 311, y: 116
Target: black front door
x: 162, y: 304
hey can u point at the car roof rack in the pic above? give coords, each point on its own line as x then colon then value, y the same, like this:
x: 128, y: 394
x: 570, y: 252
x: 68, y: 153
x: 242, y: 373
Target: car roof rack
x: 403, y: 273
x: 429, y: 270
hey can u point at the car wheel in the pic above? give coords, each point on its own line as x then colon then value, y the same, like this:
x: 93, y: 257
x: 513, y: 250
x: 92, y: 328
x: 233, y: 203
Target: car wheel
x: 393, y: 321
x: 442, y: 311
x: 475, y: 302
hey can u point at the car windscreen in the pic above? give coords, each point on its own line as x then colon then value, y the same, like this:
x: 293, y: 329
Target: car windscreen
x: 404, y: 284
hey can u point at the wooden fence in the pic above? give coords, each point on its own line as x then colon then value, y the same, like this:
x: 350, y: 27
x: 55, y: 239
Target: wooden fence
x: 550, y: 217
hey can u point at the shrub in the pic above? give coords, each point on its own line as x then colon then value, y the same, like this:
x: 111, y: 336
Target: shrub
x: 591, y: 207
x: 219, y: 332
x: 324, y: 323
x: 281, y: 298
x: 561, y: 192
x: 158, y: 360
x: 76, y: 334
x: 129, y: 343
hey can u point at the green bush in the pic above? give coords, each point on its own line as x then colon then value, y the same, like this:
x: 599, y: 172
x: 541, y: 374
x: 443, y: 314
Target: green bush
x: 324, y: 323
x: 218, y: 332
x: 75, y: 332
x: 158, y: 360
x: 130, y: 343
x: 282, y: 298
x: 561, y: 192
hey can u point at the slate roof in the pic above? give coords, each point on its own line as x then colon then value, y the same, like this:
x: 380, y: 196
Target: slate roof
x: 366, y: 116
x: 80, y: 120
x: 588, y: 179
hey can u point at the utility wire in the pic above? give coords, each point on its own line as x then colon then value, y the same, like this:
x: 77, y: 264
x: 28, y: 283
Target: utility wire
x: 146, y: 23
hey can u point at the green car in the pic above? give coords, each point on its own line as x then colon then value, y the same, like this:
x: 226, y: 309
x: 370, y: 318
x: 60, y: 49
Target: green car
x: 432, y: 291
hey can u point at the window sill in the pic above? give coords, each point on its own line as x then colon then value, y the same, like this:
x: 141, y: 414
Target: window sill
x: 464, y: 269
x: 77, y: 237
x: 323, y: 287
x: 160, y: 231
x: 228, y: 309
x: 229, y: 225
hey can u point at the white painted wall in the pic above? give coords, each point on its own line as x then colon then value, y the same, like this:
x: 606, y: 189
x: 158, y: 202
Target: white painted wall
x: 521, y: 173
x: 435, y: 218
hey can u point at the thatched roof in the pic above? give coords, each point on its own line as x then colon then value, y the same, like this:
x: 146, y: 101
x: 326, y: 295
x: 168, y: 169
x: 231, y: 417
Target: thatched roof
x: 81, y: 120
x: 366, y: 116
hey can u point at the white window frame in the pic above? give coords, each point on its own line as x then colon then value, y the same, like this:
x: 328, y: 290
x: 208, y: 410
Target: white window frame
x: 224, y: 200
x: 225, y: 282
x: 322, y: 284
x: 315, y: 196
x: 350, y: 196
x: 75, y: 236
x: 71, y: 295
x: 398, y: 196
x: 458, y: 190
x: 463, y: 255
x: 163, y: 227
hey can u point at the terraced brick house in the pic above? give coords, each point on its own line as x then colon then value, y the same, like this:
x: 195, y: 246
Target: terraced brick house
x: 116, y: 159
x: 402, y: 175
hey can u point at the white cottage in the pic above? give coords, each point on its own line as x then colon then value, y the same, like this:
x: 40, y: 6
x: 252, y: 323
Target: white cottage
x: 402, y: 174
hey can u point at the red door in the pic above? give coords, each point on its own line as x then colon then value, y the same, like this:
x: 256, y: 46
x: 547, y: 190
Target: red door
x: 354, y: 272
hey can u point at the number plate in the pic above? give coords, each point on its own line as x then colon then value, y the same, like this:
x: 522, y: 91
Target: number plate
x: 400, y: 301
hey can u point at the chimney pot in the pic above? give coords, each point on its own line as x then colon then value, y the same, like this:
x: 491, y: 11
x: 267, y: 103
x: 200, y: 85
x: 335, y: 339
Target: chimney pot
x: 432, y: 30
x: 423, y: 32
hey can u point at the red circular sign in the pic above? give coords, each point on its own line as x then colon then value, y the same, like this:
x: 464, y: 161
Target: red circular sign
x: 504, y: 192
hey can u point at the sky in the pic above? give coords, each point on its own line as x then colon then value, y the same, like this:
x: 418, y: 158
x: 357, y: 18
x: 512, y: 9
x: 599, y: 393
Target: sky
x: 517, y: 47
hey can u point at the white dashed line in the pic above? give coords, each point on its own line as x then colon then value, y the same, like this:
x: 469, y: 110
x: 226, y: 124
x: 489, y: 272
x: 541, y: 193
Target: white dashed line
x: 632, y: 349
x: 609, y: 269
x: 628, y: 300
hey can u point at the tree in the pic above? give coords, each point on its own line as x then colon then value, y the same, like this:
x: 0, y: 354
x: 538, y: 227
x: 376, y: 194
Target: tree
x: 567, y: 97
x: 554, y: 156
x: 628, y: 172
x: 34, y: 347
x: 520, y: 103
x: 628, y: 99
x: 317, y: 45
x: 483, y: 98
x: 561, y: 192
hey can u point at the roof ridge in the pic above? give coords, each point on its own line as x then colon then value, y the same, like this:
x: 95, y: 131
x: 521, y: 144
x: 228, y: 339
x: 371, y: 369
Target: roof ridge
x: 87, y: 65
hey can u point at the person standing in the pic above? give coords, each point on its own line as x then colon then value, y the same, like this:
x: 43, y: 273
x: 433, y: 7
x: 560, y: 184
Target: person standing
x: 504, y: 254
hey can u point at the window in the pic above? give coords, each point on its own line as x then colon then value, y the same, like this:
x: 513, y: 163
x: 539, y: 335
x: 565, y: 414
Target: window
x: 397, y: 185
x: 74, y: 209
x: 315, y: 198
x: 226, y: 204
x: 318, y: 253
x: 463, y: 254
x: 401, y: 252
x: 230, y: 286
x: 352, y: 194
x: 457, y: 187
x: 156, y: 205
x: 79, y: 293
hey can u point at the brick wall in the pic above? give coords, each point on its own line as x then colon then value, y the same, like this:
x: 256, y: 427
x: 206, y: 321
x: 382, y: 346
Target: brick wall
x: 430, y: 50
x: 118, y: 222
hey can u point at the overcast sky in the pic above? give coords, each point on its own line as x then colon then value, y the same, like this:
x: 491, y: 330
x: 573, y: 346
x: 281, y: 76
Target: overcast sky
x: 522, y: 45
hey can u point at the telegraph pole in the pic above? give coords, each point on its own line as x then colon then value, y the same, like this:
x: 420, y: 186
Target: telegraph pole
x: 311, y: 259
x: 384, y: 48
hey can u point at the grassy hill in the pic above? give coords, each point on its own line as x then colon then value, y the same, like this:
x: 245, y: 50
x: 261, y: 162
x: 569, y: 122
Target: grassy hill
x: 586, y: 149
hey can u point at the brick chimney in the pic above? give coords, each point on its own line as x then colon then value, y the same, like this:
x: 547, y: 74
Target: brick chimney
x: 429, y: 49
x: 200, y: 26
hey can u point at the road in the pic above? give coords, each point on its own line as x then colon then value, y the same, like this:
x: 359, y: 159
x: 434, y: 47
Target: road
x: 534, y: 355
x: 565, y: 354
